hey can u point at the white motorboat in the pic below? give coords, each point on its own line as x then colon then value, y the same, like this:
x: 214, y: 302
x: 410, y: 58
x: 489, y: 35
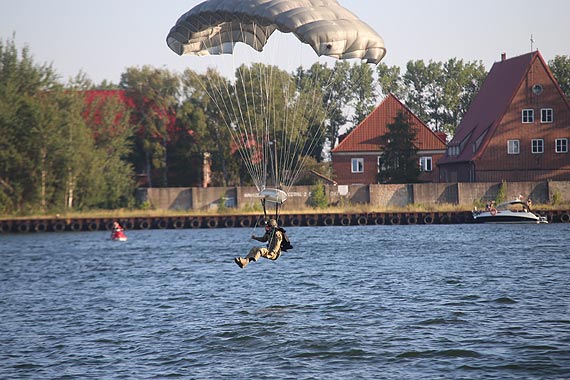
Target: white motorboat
x: 515, y: 211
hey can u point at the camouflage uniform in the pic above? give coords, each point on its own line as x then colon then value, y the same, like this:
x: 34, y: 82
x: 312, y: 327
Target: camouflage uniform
x: 273, y: 250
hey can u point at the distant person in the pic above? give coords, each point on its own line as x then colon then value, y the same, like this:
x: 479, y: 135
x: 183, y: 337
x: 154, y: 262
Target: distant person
x: 117, y: 232
x: 276, y: 239
x: 529, y: 203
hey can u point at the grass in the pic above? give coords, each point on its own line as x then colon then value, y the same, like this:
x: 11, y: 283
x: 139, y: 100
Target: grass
x: 344, y: 209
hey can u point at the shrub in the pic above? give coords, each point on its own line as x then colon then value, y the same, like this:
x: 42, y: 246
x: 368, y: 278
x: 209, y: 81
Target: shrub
x: 318, y: 198
x: 502, y: 194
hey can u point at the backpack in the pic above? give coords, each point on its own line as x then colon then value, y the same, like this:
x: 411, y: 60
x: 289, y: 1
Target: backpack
x: 285, y: 243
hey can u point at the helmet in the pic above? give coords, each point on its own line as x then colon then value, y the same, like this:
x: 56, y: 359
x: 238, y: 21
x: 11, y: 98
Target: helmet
x: 272, y: 223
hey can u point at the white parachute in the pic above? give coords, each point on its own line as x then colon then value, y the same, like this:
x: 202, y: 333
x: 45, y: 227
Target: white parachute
x: 215, y: 26
x: 272, y: 143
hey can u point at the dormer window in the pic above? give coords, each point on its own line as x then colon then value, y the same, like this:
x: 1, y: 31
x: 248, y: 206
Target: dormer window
x: 528, y: 116
x: 453, y: 150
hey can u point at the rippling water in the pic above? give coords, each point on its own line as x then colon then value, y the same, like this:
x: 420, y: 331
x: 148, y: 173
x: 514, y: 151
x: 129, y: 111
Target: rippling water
x: 377, y: 302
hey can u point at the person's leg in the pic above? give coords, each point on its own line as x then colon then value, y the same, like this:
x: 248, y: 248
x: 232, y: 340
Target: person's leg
x: 253, y: 255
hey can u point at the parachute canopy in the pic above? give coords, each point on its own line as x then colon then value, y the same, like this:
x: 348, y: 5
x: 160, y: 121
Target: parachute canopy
x: 215, y: 26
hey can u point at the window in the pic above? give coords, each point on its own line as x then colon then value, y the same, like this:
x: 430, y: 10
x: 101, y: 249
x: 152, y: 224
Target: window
x: 425, y: 164
x: 513, y: 146
x: 453, y: 150
x: 561, y: 145
x: 537, y: 146
x: 528, y: 116
x: 546, y: 115
x: 380, y: 164
x: 358, y: 165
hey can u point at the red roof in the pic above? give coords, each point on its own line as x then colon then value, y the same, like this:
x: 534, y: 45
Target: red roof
x: 490, y: 105
x: 367, y: 136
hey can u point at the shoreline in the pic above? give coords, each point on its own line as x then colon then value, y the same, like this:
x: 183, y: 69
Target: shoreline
x: 307, y: 218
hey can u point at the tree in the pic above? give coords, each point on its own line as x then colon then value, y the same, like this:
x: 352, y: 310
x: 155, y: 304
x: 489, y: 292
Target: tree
x: 399, y: 160
x: 204, y: 116
x: 51, y: 157
x: 439, y: 93
x: 560, y: 67
x: 108, y: 115
x: 361, y: 81
x: 155, y: 93
x: 28, y: 130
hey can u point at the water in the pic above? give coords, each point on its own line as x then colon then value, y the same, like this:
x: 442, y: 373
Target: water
x: 377, y: 302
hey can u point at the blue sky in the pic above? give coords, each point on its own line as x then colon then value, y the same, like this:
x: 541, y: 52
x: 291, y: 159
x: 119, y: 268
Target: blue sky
x: 103, y: 37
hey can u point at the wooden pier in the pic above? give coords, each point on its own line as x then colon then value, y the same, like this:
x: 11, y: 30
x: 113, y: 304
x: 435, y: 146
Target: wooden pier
x: 23, y: 225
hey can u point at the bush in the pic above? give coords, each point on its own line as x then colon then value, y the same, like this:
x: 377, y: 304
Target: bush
x: 557, y: 198
x: 318, y: 198
x: 502, y: 194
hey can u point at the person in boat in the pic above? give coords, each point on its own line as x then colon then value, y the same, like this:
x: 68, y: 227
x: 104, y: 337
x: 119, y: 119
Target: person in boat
x: 529, y: 203
x: 117, y: 231
x: 117, y: 227
x: 274, y: 238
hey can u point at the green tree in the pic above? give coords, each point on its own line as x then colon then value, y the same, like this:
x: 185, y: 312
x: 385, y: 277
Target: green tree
x: 439, y: 93
x: 108, y: 118
x: 560, y: 67
x: 28, y: 130
x: 326, y: 90
x: 318, y: 198
x: 204, y: 115
x: 155, y: 94
x: 398, y: 162
x: 361, y: 79
x: 50, y: 157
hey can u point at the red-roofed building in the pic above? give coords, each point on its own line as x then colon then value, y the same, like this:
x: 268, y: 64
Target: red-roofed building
x: 516, y: 129
x: 355, y: 159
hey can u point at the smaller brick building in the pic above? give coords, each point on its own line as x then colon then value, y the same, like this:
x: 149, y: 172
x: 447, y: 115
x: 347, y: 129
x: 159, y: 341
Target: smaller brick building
x: 355, y: 158
x: 516, y: 129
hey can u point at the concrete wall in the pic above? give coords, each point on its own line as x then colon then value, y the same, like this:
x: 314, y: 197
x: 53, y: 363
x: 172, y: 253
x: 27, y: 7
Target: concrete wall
x: 435, y: 193
x: 558, y: 189
x: 485, y: 191
x: 391, y: 195
x: 298, y: 196
x: 377, y: 195
x: 173, y: 198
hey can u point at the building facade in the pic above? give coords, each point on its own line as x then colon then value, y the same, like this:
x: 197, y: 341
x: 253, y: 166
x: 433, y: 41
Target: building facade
x: 355, y: 158
x: 517, y: 128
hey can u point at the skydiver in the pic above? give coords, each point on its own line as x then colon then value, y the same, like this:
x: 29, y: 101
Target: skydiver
x: 273, y: 236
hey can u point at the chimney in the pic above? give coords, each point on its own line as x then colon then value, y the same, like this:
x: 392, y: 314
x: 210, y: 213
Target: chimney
x: 503, y: 57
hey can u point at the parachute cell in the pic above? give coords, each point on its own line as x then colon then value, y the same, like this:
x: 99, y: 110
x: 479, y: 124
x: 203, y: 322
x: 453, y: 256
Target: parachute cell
x: 215, y: 26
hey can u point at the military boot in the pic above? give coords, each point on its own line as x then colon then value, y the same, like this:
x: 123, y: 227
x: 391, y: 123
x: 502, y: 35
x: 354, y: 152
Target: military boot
x: 241, y: 262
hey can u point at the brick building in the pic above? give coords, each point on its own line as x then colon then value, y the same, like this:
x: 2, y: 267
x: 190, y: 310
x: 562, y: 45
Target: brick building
x: 355, y: 158
x: 516, y: 129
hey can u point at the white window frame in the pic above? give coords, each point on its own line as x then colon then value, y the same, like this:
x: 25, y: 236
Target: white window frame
x: 562, y: 142
x: 535, y: 144
x: 424, y: 164
x: 511, y: 144
x: 527, y: 116
x: 546, y: 115
x: 357, y: 165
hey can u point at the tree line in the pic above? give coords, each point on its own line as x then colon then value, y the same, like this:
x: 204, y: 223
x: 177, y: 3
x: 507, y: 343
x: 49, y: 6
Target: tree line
x: 80, y: 145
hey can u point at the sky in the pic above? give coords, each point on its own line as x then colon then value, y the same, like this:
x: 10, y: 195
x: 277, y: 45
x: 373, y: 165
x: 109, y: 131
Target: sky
x: 104, y: 37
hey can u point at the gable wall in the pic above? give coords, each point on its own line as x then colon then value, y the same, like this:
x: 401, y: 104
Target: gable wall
x: 497, y: 165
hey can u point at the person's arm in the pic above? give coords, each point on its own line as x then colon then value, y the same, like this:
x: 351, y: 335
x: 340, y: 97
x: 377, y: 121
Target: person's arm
x: 262, y: 239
